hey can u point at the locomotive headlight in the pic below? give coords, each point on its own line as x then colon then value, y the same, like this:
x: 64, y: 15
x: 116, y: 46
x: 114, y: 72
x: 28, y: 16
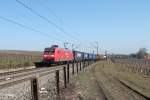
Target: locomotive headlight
x: 45, y: 55
x: 52, y: 55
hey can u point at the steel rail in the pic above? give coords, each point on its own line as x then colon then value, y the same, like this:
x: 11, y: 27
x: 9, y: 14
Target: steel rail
x: 27, y: 76
x: 133, y: 90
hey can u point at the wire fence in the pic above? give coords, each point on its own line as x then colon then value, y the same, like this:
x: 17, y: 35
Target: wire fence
x: 135, y: 65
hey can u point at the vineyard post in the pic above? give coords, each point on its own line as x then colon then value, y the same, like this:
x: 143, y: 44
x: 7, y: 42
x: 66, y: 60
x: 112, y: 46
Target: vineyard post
x: 65, y: 81
x: 34, y: 89
x: 73, y: 67
x: 77, y: 67
x: 68, y: 72
x: 57, y: 81
x: 80, y: 65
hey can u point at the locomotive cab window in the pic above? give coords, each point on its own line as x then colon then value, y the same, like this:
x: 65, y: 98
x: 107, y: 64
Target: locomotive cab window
x: 49, y: 51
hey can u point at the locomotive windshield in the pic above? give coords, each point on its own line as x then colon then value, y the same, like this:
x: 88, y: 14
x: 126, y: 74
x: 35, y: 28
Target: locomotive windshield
x: 49, y: 50
x: 54, y: 46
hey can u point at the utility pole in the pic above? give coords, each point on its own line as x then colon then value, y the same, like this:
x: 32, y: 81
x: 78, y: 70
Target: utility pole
x: 72, y: 47
x: 106, y: 54
x: 65, y: 45
x: 93, y: 51
x: 75, y: 46
x: 97, y: 47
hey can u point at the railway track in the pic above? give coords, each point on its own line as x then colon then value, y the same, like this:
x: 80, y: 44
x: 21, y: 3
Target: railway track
x: 9, y: 78
x: 19, y: 76
x: 128, y: 91
x: 132, y: 90
x: 22, y: 70
x: 101, y: 91
x: 13, y: 72
x: 4, y: 76
x: 115, y: 89
x: 8, y: 75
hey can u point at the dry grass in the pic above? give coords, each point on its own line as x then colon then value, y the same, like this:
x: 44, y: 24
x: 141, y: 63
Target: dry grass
x: 18, y: 59
x: 91, y: 83
x: 135, y: 80
x: 84, y: 87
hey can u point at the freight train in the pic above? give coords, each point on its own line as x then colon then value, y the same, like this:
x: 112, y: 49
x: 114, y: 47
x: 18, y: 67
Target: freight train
x: 56, y: 55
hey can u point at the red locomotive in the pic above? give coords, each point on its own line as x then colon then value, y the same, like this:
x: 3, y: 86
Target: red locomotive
x: 55, y: 55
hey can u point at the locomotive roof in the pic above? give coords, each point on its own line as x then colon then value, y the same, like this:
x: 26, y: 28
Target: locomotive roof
x: 52, y: 47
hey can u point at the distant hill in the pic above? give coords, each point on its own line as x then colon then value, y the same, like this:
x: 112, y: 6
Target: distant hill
x: 18, y: 58
x: 20, y: 52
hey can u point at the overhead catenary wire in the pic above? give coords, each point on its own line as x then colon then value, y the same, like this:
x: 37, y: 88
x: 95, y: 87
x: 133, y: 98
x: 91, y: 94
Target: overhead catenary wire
x: 44, y: 18
x: 29, y: 28
x: 60, y: 20
x: 51, y: 11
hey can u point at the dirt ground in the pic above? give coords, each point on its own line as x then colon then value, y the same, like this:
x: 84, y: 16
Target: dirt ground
x: 100, y: 82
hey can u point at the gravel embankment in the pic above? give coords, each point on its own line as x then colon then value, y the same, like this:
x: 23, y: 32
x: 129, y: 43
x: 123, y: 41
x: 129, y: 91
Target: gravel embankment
x: 16, y: 92
x: 22, y: 91
x: 47, y: 88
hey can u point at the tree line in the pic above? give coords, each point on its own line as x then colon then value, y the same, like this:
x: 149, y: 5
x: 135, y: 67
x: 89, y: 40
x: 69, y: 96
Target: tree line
x: 141, y: 54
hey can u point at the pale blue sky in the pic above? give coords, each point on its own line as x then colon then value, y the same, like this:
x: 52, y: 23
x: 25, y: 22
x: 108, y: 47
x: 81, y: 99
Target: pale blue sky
x: 120, y: 26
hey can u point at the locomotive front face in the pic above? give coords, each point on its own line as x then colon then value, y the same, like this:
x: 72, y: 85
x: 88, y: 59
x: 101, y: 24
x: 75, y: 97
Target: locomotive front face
x: 49, y: 54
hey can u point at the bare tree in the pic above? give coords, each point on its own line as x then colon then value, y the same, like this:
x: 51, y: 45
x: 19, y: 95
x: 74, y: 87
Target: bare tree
x: 142, y: 53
